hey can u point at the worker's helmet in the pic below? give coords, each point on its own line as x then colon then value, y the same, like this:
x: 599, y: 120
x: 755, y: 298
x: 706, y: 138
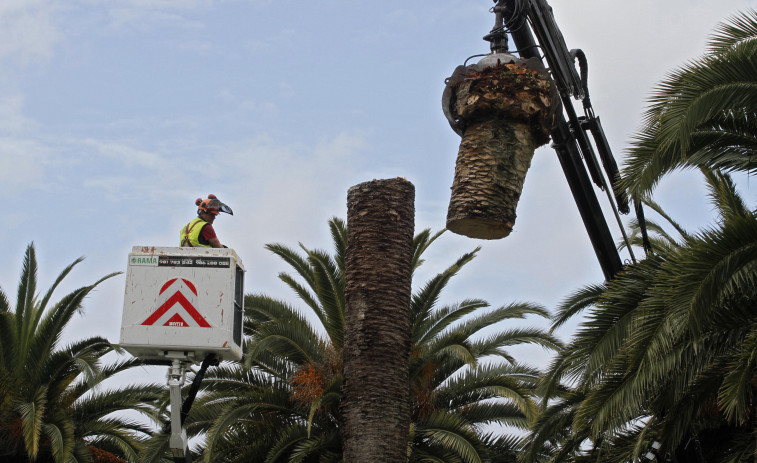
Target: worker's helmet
x: 212, y: 206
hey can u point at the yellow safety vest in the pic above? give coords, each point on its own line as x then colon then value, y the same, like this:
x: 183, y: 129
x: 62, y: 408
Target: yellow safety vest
x: 189, y: 235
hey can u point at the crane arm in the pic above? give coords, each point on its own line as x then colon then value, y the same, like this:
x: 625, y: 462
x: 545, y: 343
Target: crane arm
x: 525, y: 19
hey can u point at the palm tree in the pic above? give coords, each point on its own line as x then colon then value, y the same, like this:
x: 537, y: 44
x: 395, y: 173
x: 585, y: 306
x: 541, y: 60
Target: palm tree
x: 50, y: 406
x: 284, y: 404
x: 666, y: 352
x: 703, y: 114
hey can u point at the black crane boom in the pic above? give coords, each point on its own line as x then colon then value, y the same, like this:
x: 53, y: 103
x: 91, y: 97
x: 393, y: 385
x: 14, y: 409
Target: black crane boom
x: 570, y: 137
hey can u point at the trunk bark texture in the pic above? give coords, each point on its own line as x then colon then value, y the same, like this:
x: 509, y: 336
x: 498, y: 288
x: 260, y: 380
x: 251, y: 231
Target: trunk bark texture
x: 376, y: 393
x: 504, y: 112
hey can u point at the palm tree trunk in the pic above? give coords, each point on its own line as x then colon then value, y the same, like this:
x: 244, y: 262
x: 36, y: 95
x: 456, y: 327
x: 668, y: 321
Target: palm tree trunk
x: 504, y: 112
x: 376, y: 393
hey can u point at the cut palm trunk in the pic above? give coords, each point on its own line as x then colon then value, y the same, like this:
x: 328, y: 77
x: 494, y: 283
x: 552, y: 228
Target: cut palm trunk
x: 376, y: 402
x: 503, y: 113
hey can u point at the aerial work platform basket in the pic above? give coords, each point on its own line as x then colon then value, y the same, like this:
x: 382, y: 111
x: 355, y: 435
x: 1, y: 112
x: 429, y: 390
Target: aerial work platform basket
x: 183, y: 303
x: 183, y: 306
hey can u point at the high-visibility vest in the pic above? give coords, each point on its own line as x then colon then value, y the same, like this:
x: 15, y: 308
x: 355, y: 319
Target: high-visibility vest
x: 189, y: 235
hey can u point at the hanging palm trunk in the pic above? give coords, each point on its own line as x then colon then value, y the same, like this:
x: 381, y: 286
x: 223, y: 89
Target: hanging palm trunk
x: 376, y: 392
x: 503, y: 112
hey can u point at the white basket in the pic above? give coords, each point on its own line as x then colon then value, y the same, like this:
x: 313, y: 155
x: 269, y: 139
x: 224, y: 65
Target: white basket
x: 183, y: 302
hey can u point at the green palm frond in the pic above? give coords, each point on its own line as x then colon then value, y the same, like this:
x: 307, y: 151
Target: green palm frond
x: 5, y: 305
x: 661, y: 240
x: 499, y: 413
x: 304, y: 294
x: 100, y: 404
x: 720, y: 266
x: 512, y: 382
x: 80, y: 360
x: 50, y: 327
x: 495, y: 344
x: 119, y: 437
x: 83, y: 386
x: 609, y: 326
x: 650, y: 203
x: 701, y: 115
x: 289, y: 440
x: 281, y: 329
x: 735, y: 396
x: 339, y: 237
x: 723, y: 195
x: 451, y: 433
x: 462, y: 333
x: 265, y: 405
x: 666, y: 351
x: 424, y: 301
x: 329, y: 288
x: 553, y: 432
x: 297, y: 262
x: 48, y: 295
x: 739, y: 28
x: 327, y: 445
x: 32, y: 413
x: 48, y: 405
x: 421, y: 242
x: 61, y: 445
x: 436, y: 322
x: 26, y: 296
x: 575, y: 304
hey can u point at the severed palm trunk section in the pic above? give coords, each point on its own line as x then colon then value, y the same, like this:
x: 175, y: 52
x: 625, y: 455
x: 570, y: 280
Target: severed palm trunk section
x: 376, y: 392
x: 504, y: 114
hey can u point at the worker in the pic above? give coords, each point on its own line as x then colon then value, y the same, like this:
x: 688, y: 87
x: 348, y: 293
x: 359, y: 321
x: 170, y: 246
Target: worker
x: 199, y: 232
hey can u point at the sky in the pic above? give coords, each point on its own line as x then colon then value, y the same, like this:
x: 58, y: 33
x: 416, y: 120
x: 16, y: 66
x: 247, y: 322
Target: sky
x: 116, y: 114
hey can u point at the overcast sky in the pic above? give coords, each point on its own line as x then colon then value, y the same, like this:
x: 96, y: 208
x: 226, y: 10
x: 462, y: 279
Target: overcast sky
x: 116, y: 114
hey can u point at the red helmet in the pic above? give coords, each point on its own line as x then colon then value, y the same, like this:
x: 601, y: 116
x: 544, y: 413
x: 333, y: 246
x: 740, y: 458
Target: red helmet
x: 212, y: 206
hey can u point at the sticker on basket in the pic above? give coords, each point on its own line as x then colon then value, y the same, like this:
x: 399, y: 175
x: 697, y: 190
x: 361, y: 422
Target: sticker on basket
x: 176, y: 298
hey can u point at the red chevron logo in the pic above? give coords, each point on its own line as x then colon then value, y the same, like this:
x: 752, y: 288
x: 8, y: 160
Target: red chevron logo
x: 169, y: 309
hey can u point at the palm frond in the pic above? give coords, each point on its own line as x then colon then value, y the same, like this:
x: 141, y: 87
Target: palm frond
x: 424, y: 301
x: 421, y: 242
x: 286, y: 332
x: 330, y: 291
x: 737, y: 29
x: 31, y: 414
x: 682, y: 126
x: 722, y: 191
x: 450, y: 433
x: 575, y: 304
x: 297, y: 262
x: 436, y: 322
x: 339, y: 236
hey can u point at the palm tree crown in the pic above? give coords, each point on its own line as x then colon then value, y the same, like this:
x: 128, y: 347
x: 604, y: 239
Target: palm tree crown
x: 284, y: 406
x: 666, y: 351
x: 50, y: 409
